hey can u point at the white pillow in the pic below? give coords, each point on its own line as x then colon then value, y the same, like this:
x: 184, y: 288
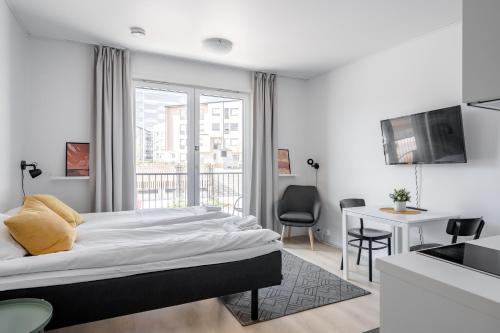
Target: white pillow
x: 12, y: 211
x: 9, y: 248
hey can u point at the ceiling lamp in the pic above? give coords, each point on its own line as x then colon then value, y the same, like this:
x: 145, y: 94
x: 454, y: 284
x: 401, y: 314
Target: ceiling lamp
x: 218, y: 45
x: 137, y: 32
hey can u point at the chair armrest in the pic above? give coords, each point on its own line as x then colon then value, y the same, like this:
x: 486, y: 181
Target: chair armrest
x: 316, y: 209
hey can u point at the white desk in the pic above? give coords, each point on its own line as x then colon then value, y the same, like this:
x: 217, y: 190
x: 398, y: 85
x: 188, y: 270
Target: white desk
x: 396, y: 221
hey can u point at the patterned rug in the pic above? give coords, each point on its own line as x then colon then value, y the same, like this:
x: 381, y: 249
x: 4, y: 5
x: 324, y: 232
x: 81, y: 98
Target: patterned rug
x: 305, y: 286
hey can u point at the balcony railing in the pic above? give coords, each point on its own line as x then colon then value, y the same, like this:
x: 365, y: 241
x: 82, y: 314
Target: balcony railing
x: 170, y: 190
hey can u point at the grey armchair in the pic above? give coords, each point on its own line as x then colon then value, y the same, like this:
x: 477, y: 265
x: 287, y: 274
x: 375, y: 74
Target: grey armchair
x: 299, y: 207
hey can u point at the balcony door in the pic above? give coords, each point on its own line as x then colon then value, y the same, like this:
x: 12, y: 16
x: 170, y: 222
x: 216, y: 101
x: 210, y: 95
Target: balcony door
x: 220, y: 153
x: 189, y: 147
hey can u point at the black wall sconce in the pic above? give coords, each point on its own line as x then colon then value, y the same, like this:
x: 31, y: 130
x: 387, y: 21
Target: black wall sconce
x: 315, y: 166
x: 312, y: 164
x: 34, y: 172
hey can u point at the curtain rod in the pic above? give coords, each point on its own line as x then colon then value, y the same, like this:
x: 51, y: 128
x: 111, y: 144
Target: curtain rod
x: 190, y: 85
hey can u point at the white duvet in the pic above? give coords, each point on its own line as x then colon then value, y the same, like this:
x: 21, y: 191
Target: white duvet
x: 147, y: 237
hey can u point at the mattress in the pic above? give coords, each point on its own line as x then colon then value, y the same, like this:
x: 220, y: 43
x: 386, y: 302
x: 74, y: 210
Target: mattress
x: 111, y: 245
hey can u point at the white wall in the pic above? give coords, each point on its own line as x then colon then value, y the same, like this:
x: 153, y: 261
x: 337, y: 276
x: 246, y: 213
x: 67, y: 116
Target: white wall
x: 60, y: 110
x: 186, y: 72
x: 420, y: 75
x: 13, y: 43
x: 293, y: 119
x: 293, y: 123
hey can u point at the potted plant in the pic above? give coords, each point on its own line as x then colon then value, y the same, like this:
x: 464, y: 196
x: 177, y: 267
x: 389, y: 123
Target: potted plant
x: 400, y: 197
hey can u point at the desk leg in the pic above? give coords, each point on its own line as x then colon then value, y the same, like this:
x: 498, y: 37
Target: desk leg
x: 395, y: 240
x: 345, y: 271
x: 406, y: 238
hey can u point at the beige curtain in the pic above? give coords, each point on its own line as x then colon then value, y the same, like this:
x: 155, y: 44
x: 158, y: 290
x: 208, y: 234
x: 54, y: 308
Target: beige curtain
x: 263, y: 194
x: 114, y: 131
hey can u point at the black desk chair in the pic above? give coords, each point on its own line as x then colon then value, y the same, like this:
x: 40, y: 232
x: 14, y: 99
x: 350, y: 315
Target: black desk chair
x: 299, y: 207
x: 456, y: 228
x: 365, y: 234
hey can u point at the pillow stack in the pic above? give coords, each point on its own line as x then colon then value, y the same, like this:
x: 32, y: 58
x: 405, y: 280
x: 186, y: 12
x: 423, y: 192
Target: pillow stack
x: 60, y: 208
x: 44, y: 225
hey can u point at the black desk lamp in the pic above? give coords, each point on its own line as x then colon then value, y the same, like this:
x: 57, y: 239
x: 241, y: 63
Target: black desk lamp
x: 33, y: 172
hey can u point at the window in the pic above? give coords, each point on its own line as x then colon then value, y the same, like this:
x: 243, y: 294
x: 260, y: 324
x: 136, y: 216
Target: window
x: 173, y: 173
x: 216, y: 143
x: 182, y: 130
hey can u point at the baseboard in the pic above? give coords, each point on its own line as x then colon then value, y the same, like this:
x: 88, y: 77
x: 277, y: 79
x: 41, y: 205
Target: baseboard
x: 352, y: 250
x: 322, y: 241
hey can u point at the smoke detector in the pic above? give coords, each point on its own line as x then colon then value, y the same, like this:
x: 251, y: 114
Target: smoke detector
x: 218, y: 45
x: 137, y: 32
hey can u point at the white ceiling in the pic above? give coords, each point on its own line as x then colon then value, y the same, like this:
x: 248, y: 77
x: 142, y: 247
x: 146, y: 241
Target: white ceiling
x: 298, y: 38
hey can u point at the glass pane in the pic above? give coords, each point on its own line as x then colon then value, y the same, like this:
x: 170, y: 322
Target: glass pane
x: 161, y: 148
x: 221, y: 153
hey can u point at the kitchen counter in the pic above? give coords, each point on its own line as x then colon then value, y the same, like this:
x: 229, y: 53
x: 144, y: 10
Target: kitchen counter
x: 423, y: 294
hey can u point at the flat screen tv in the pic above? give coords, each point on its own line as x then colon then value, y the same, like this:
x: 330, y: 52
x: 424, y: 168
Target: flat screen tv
x: 425, y: 138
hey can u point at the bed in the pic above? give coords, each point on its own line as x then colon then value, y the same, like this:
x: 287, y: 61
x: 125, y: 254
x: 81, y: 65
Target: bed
x: 136, y: 261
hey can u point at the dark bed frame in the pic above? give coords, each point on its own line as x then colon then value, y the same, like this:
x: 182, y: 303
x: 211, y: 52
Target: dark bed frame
x: 85, y: 302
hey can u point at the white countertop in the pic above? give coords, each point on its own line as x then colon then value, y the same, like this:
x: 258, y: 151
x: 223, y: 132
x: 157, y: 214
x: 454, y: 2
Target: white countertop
x: 476, y: 290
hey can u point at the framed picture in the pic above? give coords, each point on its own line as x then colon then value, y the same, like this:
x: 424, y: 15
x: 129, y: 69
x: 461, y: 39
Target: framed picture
x: 77, y: 159
x: 284, y: 162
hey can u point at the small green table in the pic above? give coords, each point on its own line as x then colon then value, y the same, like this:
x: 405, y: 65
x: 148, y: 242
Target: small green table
x: 24, y: 315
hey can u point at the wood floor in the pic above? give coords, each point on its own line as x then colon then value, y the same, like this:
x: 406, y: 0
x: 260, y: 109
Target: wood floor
x: 352, y: 316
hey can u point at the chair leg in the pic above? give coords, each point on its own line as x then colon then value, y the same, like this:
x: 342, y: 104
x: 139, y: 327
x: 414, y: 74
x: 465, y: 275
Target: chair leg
x: 311, y: 238
x: 370, y: 259
x: 359, y: 251
x: 389, y: 241
x: 289, y: 231
x: 283, y: 230
x: 342, y: 263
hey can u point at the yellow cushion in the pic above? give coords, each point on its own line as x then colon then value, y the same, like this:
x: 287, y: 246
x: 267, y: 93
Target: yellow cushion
x: 60, y: 208
x: 39, y: 230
